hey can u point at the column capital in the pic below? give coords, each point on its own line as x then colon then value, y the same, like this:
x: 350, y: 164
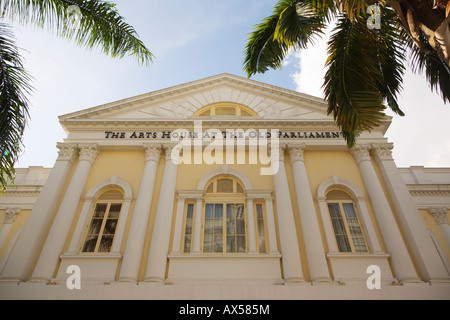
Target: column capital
x: 88, y: 152
x: 361, y: 153
x: 11, y: 215
x: 296, y: 151
x: 67, y: 152
x: 382, y: 151
x: 168, y: 152
x: 152, y: 152
x: 277, y: 151
x: 439, y: 214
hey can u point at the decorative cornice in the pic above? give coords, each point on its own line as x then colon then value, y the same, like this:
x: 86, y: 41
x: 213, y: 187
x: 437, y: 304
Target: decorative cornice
x: 11, y: 215
x: 439, y: 214
x: 88, y: 152
x: 432, y: 190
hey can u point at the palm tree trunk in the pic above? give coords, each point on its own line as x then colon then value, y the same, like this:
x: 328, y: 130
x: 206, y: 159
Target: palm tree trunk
x: 429, y: 18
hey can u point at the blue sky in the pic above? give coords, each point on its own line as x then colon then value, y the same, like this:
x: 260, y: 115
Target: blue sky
x: 192, y: 40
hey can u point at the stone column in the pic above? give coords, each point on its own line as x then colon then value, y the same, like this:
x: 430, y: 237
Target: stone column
x: 11, y: 214
x: 440, y: 216
x: 271, y: 230
x: 416, y: 234
x: 159, y: 246
x: 23, y: 256
x: 401, y: 261
x: 251, y: 227
x: 54, y: 243
x: 315, y: 252
x: 131, y: 262
x: 291, y: 261
x: 178, y: 232
x: 197, y: 236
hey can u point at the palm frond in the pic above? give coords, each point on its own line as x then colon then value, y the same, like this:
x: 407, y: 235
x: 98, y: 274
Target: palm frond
x: 352, y: 80
x: 391, y: 58
x: 14, y: 88
x: 292, y: 25
x: 100, y: 24
x: 436, y: 70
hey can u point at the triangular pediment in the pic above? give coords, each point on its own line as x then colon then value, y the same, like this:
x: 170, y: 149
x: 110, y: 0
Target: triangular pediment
x: 182, y: 101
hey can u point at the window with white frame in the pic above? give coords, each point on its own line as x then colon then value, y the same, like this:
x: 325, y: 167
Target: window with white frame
x: 99, y: 236
x: 347, y: 228
x: 224, y: 217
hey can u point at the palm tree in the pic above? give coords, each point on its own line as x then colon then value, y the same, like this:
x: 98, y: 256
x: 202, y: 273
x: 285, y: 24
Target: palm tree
x: 89, y: 23
x: 365, y: 63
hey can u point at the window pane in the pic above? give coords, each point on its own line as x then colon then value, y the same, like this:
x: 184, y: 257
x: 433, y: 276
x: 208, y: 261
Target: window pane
x: 338, y: 195
x: 239, y: 188
x: 225, y: 111
x: 110, y: 226
x: 343, y: 244
x: 114, y: 210
x: 218, y: 243
x: 240, y: 226
x: 260, y: 226
x: 259, y: 211
x: 231, y: 226
x: 225, y: 185
x: 100, y: 210
x: 231, y: 244
x: 207, y: 243
x: 245, y: 113
x: 96, y: 224
x: 187, y: 244
x: 240, y: 242
x: 335, y: 211
x: 218, y: 227
x: 357, y: 237
x: 89, y: 245
x: 190, y: 211
x: 210, y: 188
x: 209, y: 210
x: 218, y: 211
x: 349, y: 210
x: 262, y: 244
x: 235, y: 211
x: 188, y: 229
x: 209, y: 226
x: 106, y: 243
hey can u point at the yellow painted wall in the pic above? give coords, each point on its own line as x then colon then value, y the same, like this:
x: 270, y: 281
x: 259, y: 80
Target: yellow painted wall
x: 431, y: 224
x: 19, y: 222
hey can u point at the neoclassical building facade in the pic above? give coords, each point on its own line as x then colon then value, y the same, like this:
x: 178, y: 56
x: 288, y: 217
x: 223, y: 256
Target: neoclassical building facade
x: 223, y: 188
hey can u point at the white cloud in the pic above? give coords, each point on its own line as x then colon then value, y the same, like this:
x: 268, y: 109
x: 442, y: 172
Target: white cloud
x: 311, y: 66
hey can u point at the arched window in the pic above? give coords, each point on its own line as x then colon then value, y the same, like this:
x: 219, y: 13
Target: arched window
x: 224, y: 217
x: 225, y: 109
x: 345, y: 220
x: 103, y: 222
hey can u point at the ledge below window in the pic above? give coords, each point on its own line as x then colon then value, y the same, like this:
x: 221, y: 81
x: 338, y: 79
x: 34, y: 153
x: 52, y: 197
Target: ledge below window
x: 223, y: 255
x: 358, y: 255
